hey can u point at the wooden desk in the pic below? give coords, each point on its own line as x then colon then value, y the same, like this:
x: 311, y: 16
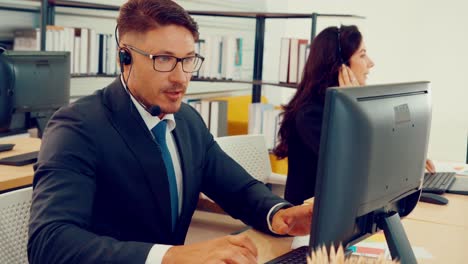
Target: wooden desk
x: 17, y: 176
x: 446, y: 243
x: 454, y: 213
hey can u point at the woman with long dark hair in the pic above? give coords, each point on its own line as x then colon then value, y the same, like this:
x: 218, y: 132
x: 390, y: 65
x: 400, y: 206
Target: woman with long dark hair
x: 337, y: 58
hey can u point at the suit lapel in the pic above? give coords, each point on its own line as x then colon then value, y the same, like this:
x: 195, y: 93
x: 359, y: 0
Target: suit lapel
x: 184, y: 146
x: 128, y: 122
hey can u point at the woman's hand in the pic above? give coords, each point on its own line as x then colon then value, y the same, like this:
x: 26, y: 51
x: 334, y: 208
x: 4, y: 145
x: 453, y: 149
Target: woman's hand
x: 346, y: 77
x: 430, y: 167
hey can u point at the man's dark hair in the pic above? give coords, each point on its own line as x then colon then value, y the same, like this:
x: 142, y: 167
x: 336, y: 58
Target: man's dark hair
x: 143, y: 15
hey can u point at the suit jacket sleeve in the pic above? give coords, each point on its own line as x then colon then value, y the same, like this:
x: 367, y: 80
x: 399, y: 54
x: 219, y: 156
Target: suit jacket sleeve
x: 64, y: 185
x: 234, y: 189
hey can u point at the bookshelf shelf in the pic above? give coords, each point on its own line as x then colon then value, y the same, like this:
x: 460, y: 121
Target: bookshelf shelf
x: 287, y: 85
x: 20, y: 8
x: 94, y: 75
x: 76, y: 4
x: 254, y: 82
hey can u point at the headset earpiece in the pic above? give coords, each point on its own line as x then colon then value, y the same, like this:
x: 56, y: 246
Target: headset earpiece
x: 125, y: 58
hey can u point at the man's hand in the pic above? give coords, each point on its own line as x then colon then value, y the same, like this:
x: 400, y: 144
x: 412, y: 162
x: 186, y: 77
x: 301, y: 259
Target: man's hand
x: 294, y: 221
x: 229, y: 249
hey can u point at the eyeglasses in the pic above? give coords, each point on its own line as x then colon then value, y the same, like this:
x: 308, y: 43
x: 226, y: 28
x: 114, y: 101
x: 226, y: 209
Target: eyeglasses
x: 167, y: 63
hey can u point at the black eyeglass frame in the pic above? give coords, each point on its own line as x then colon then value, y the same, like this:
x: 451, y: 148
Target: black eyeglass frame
x: 181, y: 60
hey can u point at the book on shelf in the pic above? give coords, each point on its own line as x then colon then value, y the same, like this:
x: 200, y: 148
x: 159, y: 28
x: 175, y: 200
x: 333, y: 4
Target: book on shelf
x: 218, y: 118
x: 265, y: 119
x: 302, y: 58
x: 27, y: 39
x: 90, y: 52
x: 270, y: 126
x: 293, y: 60
x: 238, y: 59
x: 228, y: 58
x: 284, y: 60
x: 223, y: 57
x: 215, y: 56
x: 214, y: 114
x: 205, y: 111
x: 293, y: 57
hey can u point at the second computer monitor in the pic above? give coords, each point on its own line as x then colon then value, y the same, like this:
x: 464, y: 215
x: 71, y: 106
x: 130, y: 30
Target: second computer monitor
x: 372, y: 158
x: 33, y: 85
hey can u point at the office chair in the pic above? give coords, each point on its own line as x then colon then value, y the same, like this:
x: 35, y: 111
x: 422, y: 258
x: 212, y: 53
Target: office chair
x: 251, y: 153
x: 14, y: 219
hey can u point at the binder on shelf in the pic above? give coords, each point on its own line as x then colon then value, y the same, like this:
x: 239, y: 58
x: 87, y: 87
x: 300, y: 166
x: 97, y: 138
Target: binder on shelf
x: 83, y: 68
x: 270, y: 126
x: 215, y: 52
x: 218, y: 118
x: 93, y: 58
x: 205, y: 50
x: 228, y: 57
x: 303, y: 43
x: 293, y: 60
x: 205, y: 111
x: 238, y: 59
x: 27, y: 39
x: 284, y: 60
x: 76, y: 52
x: 255, y: 123
x: 102, y: 56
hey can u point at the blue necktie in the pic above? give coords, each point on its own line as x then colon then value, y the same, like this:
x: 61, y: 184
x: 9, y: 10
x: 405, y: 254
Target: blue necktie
x: 159, y: 131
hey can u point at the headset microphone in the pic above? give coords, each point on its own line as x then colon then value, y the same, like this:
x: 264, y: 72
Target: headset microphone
x: 154, y: 110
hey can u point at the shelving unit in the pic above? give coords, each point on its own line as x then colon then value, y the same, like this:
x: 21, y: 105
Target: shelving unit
x: 48, y: 12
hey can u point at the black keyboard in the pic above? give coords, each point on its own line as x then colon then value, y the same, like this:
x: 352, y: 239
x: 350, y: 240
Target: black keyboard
x: 438, y: 182
x: 298, y: 255
x: 21, y: 159
x: 6, y: 147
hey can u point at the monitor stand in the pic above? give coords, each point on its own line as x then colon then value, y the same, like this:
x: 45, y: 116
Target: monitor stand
x: 40, y: 119
x: 397, y: 241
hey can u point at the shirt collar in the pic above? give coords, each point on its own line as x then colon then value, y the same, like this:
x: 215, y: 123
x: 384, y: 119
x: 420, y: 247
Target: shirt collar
x: 150, y: 121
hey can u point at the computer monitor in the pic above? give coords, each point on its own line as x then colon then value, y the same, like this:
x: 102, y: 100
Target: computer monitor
x: 371, y: 164
x: 33, y: 85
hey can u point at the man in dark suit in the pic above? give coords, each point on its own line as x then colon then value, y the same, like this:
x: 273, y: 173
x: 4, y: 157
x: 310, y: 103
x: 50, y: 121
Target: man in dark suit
x: 120, y: 172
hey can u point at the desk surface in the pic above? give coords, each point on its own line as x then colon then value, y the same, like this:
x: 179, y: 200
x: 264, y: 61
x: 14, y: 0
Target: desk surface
x: 16, y: 176
x: 454, y: 213
x: 446, y: 243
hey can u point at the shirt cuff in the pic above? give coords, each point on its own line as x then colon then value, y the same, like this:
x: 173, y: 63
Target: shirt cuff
x: 156, y: 254
x: 273, y: 211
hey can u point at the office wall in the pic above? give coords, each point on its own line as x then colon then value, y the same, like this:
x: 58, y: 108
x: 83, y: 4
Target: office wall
x: 408, y: 41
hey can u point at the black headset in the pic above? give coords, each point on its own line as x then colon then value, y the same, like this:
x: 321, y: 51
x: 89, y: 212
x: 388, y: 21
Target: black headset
x: 125, y: 57
x: 339, y: 44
